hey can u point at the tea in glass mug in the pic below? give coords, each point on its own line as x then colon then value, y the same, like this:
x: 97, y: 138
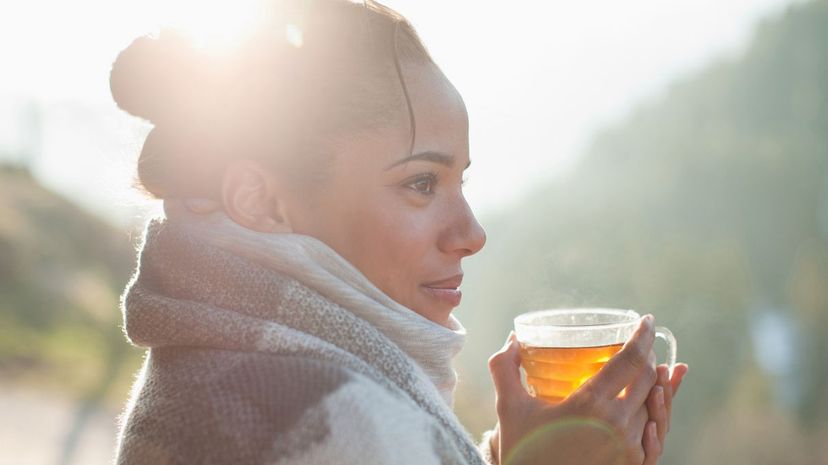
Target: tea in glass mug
x: 561, y: 349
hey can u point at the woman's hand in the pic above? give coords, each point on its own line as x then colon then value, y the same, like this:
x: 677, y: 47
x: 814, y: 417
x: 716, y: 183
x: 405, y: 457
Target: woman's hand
x: 597, y: 424
x: 660, y: 406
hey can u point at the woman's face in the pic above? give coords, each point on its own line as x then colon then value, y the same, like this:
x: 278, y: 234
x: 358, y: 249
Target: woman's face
x: 402, y: 219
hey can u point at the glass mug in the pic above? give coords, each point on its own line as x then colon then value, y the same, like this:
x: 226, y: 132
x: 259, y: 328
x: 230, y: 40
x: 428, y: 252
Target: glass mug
x: 562, y: 348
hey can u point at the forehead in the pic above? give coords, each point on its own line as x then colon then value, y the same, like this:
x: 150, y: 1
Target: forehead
x: 439, y: 111
x: 441, y: 126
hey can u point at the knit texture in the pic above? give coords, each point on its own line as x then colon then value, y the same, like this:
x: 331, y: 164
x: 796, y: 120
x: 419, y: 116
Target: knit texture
x: 270, y: 348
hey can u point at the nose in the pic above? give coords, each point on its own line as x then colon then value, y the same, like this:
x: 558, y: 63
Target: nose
x: 463, y: 235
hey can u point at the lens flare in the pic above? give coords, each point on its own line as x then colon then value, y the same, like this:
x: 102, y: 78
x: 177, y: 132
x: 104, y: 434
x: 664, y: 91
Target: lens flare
x: 564, y: 440
x: 215, y: 26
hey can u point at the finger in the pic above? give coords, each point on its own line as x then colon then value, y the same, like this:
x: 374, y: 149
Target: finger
x: 504, y: 367
x: 635, y: 431
x: 657, y: 411
x: 622, y: 369
x: 679, y: 372
x: 663, y: 374
x: 637, y: 423
x: 637, y: 393
x: 652, y: 446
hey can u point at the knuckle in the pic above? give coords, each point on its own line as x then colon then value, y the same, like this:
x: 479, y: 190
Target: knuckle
x: 588, y: 403
x: 509, y: 407
x: 500, y: 405
x: 584, y: 398
x: 636, y: 453
x: 495, y: 359
x: 637, y: 356
x: 650, y: 374
x: 504, y: 405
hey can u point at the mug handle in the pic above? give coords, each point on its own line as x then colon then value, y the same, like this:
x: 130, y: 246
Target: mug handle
x: 667, y: 335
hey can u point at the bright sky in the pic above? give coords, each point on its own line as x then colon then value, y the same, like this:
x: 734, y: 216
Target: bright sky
x: 538, y: 77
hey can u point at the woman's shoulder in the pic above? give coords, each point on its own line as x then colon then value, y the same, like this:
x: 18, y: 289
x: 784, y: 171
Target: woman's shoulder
x: 259, y: 407
x: 280, y: 388
x: 219, y: 371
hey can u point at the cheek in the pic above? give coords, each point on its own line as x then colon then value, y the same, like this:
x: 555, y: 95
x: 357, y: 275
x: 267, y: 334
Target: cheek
x: 394, y: 240
x: 389, y: 243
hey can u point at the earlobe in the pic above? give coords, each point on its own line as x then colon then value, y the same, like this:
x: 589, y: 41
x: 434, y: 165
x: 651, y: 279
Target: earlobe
x: 279, y: 219
x: 250, y: 197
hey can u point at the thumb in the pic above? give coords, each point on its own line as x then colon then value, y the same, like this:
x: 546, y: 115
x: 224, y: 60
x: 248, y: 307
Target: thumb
x: 504, y: 367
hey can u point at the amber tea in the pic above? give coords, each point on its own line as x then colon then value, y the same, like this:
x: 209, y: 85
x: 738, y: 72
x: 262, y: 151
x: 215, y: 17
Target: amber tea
x: 553, y: 373
x: 561, y: 349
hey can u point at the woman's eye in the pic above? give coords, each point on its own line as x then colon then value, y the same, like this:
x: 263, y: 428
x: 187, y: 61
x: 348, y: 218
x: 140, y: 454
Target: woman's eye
x: 424, y: 184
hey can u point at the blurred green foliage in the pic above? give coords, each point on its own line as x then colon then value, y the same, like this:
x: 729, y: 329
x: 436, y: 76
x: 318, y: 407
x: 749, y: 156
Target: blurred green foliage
x: 61, y: 272
x: 708, y: 207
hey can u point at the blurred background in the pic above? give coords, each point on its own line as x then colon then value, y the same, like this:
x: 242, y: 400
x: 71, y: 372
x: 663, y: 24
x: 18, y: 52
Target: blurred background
x: 670, y: 157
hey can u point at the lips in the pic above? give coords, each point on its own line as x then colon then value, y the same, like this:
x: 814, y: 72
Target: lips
x: 446, y: 290
x: 448, y: 283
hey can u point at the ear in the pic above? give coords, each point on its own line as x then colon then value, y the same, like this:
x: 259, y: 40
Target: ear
x: 251, y: 197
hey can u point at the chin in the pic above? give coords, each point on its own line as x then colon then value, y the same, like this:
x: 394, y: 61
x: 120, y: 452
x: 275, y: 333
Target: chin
x: 437, y: 315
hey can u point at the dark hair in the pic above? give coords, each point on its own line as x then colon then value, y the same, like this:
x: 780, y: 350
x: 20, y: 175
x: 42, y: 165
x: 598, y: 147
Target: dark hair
x: 268, y: 99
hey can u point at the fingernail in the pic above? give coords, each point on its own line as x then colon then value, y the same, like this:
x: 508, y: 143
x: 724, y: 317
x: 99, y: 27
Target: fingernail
x: 660, y: 396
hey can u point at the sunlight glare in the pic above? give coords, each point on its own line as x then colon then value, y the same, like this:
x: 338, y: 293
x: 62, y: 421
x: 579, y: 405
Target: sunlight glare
x: 294, y: 35
x: 215, y: 25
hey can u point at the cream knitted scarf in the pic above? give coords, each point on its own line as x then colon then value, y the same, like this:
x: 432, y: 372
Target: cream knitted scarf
x: 314, y: 264
x: 203, y: 280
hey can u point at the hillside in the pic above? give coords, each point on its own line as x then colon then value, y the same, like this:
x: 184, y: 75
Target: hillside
x: 707, y: 206
x: 61, y: 272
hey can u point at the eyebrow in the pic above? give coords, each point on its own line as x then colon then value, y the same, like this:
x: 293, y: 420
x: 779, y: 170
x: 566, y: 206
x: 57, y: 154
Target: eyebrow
x: 435, y: 157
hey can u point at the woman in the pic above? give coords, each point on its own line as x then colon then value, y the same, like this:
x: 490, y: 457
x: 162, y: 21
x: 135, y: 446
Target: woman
x: 297, y: 296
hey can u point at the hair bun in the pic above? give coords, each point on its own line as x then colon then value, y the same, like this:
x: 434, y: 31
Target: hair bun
x: 153, y: 75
